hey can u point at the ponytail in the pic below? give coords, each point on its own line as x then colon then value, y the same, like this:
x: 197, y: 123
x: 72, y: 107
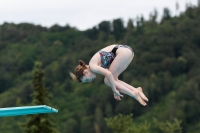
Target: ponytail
x: 78, y: 72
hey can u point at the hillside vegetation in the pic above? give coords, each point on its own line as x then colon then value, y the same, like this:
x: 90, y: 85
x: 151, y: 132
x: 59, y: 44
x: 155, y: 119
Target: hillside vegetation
x: 166, y: 65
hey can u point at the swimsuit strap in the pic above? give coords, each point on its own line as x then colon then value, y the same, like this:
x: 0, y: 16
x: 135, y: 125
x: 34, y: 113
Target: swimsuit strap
x: 118, y: 46
x: 114, y: 50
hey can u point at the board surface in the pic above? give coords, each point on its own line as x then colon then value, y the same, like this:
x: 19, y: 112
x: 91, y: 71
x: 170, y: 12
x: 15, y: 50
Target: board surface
x: 26, y: 110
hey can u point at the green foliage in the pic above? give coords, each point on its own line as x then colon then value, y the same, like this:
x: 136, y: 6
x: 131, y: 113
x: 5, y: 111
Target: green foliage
x: 105, y: 26
x: 118, y: 29
x: 119, y: 123
x: 166, y: 65
x: 169, y: 127
x: 39, y: 123
x: 124, y: 124
x: 40, y: 94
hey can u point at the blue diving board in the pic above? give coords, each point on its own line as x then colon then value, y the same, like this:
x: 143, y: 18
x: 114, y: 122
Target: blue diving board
x: 26, y: 110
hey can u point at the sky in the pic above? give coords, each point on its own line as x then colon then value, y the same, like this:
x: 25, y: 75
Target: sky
x: 83, y: 14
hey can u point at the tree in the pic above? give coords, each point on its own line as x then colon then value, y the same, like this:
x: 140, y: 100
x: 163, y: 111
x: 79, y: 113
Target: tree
x: 118, y: 29
x: 92, y: 33
x: 153, y: 16
x: 39, y: 123
x: 119, y: 123
x: 124, y: 124
x: 177, y: 7
x: 140, y: 24
x: 166, y: 14
x: 169, y: 127
x: 130, y: 25
x: 58, y: 28
x: 105, y: 26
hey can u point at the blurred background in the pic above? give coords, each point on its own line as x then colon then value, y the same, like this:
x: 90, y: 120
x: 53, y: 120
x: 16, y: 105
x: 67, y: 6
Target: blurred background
x: 49, y: 37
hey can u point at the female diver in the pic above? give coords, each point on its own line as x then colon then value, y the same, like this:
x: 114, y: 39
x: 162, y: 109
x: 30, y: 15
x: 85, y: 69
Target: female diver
x: 110, y: 62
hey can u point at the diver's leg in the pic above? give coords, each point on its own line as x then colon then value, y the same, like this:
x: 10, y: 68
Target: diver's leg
x: 133, y: 89
x: 120, y: 87
x: 119, y: 64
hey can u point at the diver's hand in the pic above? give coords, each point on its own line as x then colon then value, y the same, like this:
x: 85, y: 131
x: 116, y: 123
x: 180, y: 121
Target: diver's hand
x: 117, y: 97
x: 116, y: 92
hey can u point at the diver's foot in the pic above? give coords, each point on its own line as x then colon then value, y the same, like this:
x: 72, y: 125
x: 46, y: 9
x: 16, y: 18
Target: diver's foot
x: 142, y: 94
x: 139, y: 99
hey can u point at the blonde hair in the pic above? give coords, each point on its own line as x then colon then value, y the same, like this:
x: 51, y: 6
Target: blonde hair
x: 78, y: 72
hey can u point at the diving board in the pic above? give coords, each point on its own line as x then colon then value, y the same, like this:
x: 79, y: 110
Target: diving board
x: 26, y: 110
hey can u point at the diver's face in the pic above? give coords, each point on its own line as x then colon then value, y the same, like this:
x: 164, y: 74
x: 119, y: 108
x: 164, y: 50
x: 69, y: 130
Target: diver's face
x: 88, y: 76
